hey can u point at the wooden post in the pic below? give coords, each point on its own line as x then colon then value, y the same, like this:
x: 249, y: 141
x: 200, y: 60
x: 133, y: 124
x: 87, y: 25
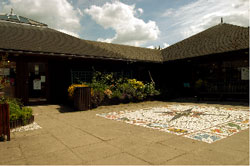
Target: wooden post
x: 5, y: 120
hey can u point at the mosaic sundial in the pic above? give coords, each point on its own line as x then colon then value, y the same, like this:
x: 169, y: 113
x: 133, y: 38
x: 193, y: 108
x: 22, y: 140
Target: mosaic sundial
x: 204, y: 123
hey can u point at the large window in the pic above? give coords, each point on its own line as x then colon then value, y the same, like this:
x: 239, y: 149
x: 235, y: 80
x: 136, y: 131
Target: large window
x: 7, y: 76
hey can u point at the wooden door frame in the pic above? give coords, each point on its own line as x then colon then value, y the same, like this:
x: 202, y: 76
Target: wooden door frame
x: 22, y: 78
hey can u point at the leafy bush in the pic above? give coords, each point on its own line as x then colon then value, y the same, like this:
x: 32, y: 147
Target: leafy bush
x: 97, y: 98
x: 26, y: 114
x: 17, y: 110
x: 107, y: 88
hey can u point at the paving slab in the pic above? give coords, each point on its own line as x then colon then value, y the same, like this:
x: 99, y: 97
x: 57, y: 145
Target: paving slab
x: 95, y: 152
x: 156, y: 153
x: 119, y: 159
x: 39, y: 145
x: 72, y: 137
x: 219, y: 156
x: 10, y: 154
x: 184, y: 144
x: 65, y: 157
x: 17, y: 162
x: 81, y: 137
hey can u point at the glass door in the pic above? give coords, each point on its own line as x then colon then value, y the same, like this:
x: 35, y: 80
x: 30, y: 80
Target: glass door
x: 37, y: 82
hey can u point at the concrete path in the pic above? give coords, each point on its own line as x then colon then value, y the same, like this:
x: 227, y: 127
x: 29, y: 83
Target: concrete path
x: 84, y: 138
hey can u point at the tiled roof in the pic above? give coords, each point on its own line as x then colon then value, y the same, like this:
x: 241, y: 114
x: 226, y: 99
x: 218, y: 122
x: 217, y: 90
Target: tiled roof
x: 217, y: 39
x: 22, y: 37
x: 41, y: 39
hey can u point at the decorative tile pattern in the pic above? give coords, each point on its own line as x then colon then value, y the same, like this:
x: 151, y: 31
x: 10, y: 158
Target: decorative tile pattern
x: 203, y: 123
x: 205, y: 137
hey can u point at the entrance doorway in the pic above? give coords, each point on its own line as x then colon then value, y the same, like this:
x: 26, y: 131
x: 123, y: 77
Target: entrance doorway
x: 38, y: 73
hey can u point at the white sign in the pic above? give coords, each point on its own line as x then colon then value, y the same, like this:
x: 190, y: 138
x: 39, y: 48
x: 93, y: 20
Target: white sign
x: 1, y: 71
x: 244, y: 73
x: 43, y: 79
x: 37, y: 84
x: 6, y: 71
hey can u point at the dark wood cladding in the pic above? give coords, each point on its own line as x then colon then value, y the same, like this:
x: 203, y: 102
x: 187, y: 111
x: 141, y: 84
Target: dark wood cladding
x: 5, y: 121
x: 22, y: 80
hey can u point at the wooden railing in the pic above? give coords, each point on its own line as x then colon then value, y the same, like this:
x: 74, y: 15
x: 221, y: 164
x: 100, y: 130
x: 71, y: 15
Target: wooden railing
x: 5, y: 121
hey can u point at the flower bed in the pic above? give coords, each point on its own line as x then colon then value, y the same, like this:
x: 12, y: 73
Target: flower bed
x: 19, y: 115
x: 109, y: 89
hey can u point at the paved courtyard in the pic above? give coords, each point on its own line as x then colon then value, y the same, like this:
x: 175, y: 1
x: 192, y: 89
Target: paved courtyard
x: 156, y: 135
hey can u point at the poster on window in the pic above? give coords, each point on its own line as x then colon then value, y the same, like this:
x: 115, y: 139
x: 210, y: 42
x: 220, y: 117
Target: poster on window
x: 244, y: 73
x: 43, y: 79
x: 5, y: 71
x: 37, y: 84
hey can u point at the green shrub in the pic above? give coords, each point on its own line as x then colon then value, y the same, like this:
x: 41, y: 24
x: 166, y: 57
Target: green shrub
x: 97, y: 98
x: 17, y: 110
x: 108, y: 88
x: 26, y: 114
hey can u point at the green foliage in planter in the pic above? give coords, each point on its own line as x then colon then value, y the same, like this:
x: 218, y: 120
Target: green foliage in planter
x: 109, y: 88
x: 26, y: 114
x: 17, y: 110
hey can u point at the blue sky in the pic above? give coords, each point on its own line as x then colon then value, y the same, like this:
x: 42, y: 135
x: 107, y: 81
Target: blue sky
x: 144, y: 23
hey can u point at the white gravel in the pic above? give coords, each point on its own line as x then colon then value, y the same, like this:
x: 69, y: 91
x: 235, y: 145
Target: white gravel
x: 29, y: 127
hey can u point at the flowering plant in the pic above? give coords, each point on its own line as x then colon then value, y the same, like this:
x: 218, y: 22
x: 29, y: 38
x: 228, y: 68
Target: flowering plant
x: 108, y: 92
x: 3, y: 63
x: 72, y: 87
x: 136, y: 84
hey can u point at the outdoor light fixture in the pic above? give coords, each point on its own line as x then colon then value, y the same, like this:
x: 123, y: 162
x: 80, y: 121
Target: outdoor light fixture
x: 36, y: 69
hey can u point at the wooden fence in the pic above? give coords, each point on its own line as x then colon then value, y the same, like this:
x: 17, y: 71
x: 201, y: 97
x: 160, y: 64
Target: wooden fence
x: 5, y: 121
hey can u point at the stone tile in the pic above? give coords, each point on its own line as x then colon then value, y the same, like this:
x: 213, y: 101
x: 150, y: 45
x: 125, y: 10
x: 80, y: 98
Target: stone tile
x: 119, y: 159
x: 244, y: 161
x: 219, y: 156
x: 74, y: 138
x: 13, y: 143
x: 128, y: 143
x: 10, y: 154
x: 184, y: 144
x: 242, y: 135
x: 96, y: 152
x: 105, y: 133
x: 84, y: 138
x: 17, y: 162
x: 187, y: 159
x: 65, y: 157
x: 48, y: 123
x: 233, y: 143
x: 155, y: 153
x: 39, y: 145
